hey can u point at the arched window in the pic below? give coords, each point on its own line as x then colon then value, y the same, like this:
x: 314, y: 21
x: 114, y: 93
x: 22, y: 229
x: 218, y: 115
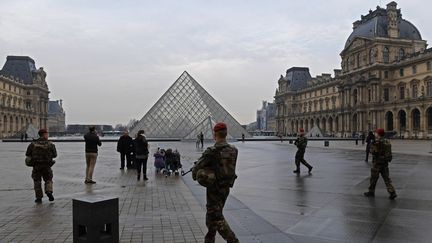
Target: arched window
x: 416, y: 119
x: 358, y: 60
x: 429, y: 117
x: 386, y: 55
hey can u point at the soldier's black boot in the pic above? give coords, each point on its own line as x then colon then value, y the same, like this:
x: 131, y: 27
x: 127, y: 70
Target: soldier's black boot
x: 369, y: 194
x: 310, y: 169
x: 392, y: 196
x: 138, y: 177
x: 50, y: 196
x: 38, y: 200
x: 296, y: 171
x: 145, y: 177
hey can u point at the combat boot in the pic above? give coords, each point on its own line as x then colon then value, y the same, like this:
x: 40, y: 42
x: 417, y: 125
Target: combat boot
x: 296, y: 171
x: 50, y: 196
x: 38, y: 200
x: 392, y: 196
x: 138, y: 177
x: 310, y: 169
x: 369, y: 194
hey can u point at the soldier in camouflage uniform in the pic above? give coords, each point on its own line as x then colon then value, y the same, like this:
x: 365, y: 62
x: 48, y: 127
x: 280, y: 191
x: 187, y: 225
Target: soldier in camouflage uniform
x: 381, y: 156
x: 41, y: 153
x: 215, y: 170
x: 301, y: 143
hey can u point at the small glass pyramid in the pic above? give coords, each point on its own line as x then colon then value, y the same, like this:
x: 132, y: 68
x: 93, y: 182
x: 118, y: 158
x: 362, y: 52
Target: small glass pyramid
x: 183, y: 110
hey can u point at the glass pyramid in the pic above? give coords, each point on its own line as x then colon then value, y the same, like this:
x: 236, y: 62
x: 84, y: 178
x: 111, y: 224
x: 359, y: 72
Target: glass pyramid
x: 183, y: 110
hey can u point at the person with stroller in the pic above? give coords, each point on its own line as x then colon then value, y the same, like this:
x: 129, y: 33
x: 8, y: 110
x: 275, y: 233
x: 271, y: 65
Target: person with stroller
x: 159, y: 162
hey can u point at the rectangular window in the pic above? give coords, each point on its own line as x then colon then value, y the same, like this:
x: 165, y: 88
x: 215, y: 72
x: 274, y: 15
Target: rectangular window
x: 369, y: 95
x: 321, y: 91
x: 386, y: 94
x: 429, y: 88
x: 402, y: 92
x: 327, y: 91
x: 414, y: 69
x: 414, y: 91
x: 429, y: 65
x: 385, y: 74
x: 401, y: 72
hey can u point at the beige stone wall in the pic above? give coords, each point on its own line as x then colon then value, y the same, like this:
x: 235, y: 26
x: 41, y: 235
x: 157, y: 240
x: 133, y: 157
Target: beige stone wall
x: 21, y: 105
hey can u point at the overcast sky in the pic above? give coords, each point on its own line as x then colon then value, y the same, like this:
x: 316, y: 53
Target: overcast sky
x: 110, y: 61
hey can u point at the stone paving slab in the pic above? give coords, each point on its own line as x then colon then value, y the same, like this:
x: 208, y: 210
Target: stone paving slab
x: 267, y: 204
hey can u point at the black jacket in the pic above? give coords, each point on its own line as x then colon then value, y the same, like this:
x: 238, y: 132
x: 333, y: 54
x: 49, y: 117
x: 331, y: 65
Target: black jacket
x: 125, y: 144
x: 141, y: 146
x: 92, y: 142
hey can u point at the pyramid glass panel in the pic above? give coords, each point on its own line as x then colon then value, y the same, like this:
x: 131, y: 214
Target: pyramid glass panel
x: 185, y: 109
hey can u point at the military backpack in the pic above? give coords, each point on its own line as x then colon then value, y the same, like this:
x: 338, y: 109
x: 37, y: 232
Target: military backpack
x: 224, y: 165
x: 41, y: 154
x: 382, y: 149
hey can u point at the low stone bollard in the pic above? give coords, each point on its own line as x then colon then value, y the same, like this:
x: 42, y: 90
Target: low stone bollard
x: 95, y: 219
x: 326, y: 143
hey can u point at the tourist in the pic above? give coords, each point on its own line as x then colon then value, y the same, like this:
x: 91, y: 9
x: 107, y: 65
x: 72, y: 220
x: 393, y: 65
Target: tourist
x: 370, y: 139
x: 125, y: 148
x: 141, y: 154
x: 92, y: 142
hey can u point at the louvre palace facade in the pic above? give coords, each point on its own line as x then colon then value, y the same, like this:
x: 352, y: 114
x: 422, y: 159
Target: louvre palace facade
x: 385, y: 81
x: 23, y: 96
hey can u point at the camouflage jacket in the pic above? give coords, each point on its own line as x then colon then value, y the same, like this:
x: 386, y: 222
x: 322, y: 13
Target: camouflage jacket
x: 381, y: 151
x: 41, y: 152
x: 221, y: 159
x: 301, y: 143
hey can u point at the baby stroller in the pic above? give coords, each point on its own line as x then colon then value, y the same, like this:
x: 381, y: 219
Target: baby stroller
x: 159, y: 162
x: 172, y: 162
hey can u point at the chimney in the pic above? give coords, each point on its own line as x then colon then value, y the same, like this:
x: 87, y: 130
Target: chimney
x: 392, y: 15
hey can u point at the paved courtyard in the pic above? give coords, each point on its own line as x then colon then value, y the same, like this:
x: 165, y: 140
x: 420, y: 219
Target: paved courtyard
x: 268, y: 203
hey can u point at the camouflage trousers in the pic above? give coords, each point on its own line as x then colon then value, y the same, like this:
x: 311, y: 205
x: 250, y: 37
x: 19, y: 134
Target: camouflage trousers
x: 46, y: 174
x: 215, y: 221
x: 376, y: 170
x: 299, y: 158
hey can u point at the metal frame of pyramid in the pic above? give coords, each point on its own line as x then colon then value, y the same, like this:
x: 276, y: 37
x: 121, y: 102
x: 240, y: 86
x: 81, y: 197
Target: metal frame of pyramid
x: 181, y: 110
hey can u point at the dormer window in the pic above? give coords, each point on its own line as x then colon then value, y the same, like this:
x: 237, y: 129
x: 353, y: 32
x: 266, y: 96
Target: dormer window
x: 386, y: 55
x: 401, y: 54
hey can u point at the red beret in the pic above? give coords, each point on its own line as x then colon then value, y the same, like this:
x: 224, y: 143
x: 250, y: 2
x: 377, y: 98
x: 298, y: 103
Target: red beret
x: 220, y: 126
x: 301, y: 130
x: 380, y: 131
x: 42, y: 131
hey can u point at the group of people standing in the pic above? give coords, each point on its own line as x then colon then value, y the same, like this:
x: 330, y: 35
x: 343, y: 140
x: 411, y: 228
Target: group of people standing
x: 135, y: 152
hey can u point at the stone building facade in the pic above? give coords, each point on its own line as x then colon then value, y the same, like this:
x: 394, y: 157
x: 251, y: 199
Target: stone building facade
x: 56, y: 117
x: 23, y: 96
x: 385, y: 81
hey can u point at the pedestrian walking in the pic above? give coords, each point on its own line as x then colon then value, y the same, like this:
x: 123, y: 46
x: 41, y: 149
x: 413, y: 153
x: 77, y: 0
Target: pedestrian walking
x: 40, y: 154
x: 215, y: 170
x: 92, y: 142
x: 202, y: 139
x: 141, y: 154
x: 125, y: 148
x: 370, y: 139
x: 301, y: 143
x: 381, y: 157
